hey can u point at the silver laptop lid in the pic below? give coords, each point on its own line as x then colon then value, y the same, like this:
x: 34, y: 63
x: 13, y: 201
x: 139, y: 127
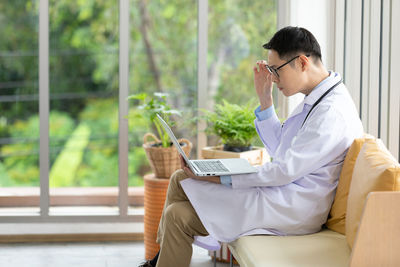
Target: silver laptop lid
x: 173, y: 139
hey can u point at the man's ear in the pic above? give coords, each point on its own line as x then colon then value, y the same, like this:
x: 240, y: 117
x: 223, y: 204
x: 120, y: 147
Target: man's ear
x: 304, y: 62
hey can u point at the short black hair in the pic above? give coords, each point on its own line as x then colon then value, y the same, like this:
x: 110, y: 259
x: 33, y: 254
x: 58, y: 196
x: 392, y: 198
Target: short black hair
x: 290, y: 41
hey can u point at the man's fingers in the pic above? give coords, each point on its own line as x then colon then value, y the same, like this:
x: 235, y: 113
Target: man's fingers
x: 261, y: 66
x: 185, y: 168
x: 264, y: 68
x: 183, y: 164
x: 188, y: 172
x: 261, y: 63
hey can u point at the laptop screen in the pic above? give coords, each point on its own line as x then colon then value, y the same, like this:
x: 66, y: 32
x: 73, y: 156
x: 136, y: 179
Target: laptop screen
x: 173, y: 138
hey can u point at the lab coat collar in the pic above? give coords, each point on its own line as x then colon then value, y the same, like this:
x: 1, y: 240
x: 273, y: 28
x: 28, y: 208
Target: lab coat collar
x: 321, y: 88
x: 317, y: 92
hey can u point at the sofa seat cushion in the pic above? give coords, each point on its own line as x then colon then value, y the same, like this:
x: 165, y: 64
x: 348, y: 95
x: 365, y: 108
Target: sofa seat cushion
x: 325, y: 248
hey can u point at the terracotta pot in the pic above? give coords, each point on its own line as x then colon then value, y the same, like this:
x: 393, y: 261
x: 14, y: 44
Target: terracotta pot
x: 155, y: 192
x: 164, y: 161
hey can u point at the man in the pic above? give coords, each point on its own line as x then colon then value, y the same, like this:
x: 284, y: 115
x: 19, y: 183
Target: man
x: 291, y: 195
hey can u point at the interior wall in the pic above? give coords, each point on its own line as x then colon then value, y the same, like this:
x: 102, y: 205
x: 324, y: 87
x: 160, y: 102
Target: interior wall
x: 360, y: 40
x: 369, y: 56
x: 317, y: 16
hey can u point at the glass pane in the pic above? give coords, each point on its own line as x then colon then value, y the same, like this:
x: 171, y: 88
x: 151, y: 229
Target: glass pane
x: 19, y: 117
x: 163, y: 58
x: 84, y: 38
x: 237, y: 31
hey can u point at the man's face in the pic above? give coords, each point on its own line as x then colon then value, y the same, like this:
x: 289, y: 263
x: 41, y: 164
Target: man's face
x: 290, y: 77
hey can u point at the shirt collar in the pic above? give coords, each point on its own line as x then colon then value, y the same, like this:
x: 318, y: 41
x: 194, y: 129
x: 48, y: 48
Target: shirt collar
x: 317, y: 92
x: 321, y: 88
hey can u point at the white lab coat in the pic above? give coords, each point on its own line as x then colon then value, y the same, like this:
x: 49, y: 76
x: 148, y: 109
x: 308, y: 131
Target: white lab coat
x: 291, y: 195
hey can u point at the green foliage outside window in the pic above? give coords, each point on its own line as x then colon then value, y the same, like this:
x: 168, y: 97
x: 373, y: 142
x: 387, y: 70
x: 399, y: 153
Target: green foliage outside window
x: 84, y: 46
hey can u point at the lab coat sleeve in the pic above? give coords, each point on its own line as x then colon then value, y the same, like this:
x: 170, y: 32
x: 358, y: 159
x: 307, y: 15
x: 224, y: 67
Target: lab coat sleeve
x: 269, y: 131
x: 317, y: 143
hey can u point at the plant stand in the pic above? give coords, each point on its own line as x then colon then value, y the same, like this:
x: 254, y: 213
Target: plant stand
x: 155, y: 192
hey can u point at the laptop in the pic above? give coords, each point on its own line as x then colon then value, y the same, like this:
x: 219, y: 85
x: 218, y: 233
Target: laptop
x: 211, y: 167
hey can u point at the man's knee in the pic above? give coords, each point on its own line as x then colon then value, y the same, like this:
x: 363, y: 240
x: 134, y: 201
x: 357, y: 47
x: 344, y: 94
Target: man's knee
x: 181, y: 217
x: 179, y: 213
x: 179, y: 175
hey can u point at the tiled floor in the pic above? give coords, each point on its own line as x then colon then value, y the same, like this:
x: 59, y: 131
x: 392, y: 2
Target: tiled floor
x: 85, y: 255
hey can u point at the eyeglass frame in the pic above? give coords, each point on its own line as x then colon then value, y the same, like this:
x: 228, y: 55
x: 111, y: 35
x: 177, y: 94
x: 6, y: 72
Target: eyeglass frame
x: 274, y: 71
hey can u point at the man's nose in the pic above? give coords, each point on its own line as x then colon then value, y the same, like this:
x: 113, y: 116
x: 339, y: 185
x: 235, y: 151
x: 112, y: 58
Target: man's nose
x: 275, y: 79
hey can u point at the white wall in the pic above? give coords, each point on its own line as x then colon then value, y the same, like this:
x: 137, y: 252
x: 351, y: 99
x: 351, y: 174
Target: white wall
x: 317, y: 16
x: 369, y: 42
x: 359, y: 39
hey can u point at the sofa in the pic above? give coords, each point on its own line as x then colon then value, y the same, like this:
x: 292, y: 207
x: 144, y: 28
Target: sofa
x: 363, y: 226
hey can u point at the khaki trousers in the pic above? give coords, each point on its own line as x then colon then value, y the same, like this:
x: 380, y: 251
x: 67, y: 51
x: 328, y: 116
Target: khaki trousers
x: 178, y: 225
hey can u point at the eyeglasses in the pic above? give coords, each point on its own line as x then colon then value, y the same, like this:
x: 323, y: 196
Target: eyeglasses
x: 274, y: 71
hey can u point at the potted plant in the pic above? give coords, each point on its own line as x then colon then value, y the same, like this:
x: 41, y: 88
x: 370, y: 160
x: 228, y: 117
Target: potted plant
x: 162, y: 155
x: 163, y: 158
x: 234, y: 125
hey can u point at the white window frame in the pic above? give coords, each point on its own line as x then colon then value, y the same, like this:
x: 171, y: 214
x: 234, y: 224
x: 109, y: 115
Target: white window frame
x: 44, y: 213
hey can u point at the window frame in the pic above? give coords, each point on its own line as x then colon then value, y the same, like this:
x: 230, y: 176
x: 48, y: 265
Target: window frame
x: 125, y: 213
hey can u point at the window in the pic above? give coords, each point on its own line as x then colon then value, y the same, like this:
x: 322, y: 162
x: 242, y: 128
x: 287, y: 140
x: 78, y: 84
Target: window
x: 19, y: 90
x: 83, y: 95
x: 85, y: 108
x: 237, y: 30
x: 163, y: 58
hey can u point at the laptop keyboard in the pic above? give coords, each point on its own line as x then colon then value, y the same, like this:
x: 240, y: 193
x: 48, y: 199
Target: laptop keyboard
x: 211, y: 166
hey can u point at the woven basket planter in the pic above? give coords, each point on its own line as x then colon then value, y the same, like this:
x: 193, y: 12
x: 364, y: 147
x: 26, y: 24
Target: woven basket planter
x: 155, y: 192
x: 164, y: 161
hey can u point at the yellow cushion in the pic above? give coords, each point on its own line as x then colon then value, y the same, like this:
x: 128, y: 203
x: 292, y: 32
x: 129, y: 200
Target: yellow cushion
x: 325, y: 248
x: 337, y: 215
x: 375, y: 170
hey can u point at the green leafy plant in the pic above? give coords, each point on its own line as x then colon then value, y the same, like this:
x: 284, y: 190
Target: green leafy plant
x: 234, y: 124
x: 150, y: 106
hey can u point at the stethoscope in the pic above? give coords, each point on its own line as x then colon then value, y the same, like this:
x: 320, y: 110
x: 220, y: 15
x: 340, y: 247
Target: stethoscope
x: 319, y: 100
